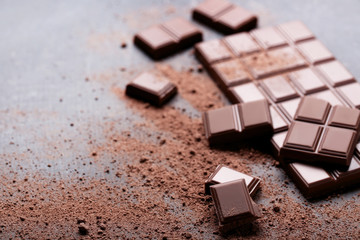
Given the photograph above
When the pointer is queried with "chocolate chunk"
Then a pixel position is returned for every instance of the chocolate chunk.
(223, 174)
(165, 39)
(151, 88)
(238, 122)
(224, 16)
(322, 134)
(233, 204)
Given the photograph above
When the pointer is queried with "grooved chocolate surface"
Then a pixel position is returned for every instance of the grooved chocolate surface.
(151, 88)
(165, 39)
(238, 122)
(224, 17)
(321, 77)
(316, 181)
(233, 204)
(224, 174)
(322, 134)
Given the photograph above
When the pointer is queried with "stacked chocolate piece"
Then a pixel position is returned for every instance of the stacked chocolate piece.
(286, 65)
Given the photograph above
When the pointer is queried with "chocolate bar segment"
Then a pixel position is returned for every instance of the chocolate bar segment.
(296, 31)
(273, 62)
(233, 204)
(278, 88)
(230, 73)
(165, 39)
(335, 73)
(350, 93)
(314, 51)
(242, 44)
(224, 174)
(322, 134)
(307, 81)
(238, 122)
(224, 16)
(269, 37)
(151, 88)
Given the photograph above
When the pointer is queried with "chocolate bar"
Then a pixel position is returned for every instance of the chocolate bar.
(224, 16)
(321, 133)
(151, 88)
(224, 174)
(165, 39)
(280, 52)
(315, 181)
(233, 204)
(238, 122)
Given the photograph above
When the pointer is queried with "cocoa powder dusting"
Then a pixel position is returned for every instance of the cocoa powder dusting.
(144, 177)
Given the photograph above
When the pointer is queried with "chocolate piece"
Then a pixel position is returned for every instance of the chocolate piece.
(224, 16)
(278, 89)
(314, 51)
(151, 88)
(233, 204)
(316, 181)
(335, 73)
(350, 93)
(296, 31)
(242, 44)
(312, 181)
(321, 133)
(269, 37)
(230, 73)
(165, 39)
(273, 62)
(307, 81)
(238, 122)
(245, 93)
(212, 51)
(224, 174)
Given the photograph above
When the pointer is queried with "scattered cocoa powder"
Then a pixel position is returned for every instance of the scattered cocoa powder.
(142, 177)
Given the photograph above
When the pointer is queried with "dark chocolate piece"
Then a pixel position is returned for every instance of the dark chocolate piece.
(224, 174)
(165, 39)
(224, 16)
(151, 88)
(238, 122)
(233, 204)
(321, 133)
(314, 181)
